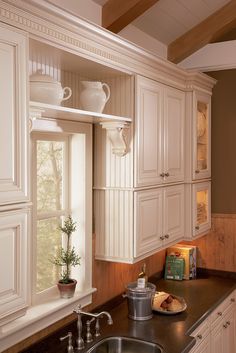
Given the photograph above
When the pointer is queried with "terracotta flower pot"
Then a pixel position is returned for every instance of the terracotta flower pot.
(67, 290)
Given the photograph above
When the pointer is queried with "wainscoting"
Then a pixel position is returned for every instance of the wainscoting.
(217, 249)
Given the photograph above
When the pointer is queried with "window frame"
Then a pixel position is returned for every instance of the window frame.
(80, 135)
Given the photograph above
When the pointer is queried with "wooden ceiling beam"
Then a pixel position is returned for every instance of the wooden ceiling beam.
(216, 25)
(117, 14)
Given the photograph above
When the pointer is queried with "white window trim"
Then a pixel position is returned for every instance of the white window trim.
(42, 315)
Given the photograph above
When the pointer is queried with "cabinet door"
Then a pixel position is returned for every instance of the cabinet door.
(14, 264)
(201, 207)
(148, 131)
(148, 221)
(173, 201)
(13, 116)
(174, 108)
(201, 136)
(229, 333)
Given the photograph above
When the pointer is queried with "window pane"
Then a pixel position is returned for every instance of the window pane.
(48, 241)
(49, 175)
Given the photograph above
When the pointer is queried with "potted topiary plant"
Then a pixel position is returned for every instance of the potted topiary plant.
(67, 258)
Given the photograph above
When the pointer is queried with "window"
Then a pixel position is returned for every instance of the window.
(62, 185)
(51, 175)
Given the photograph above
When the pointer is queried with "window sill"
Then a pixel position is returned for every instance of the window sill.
(41, 316)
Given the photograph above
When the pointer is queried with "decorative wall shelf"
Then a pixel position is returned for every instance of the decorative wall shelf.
(117, 126)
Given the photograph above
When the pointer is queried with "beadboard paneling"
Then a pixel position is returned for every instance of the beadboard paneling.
(114, 214)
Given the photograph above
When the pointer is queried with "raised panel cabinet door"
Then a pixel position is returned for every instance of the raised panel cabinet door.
(174, 110)
(173, 206)
(148, 132)
(201, 135)
(13, 116)
(148, 221)
(229, 333)
(14, 266)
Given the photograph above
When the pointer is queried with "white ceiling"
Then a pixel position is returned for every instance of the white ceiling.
(169, 19)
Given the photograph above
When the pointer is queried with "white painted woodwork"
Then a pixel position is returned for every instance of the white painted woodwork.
(212, 57)
(202, 337)
(217, 333)
(198, 229)
(148, 225)
(14, 264)
(13, 116)
(113, 211)
(159, 144)
(149, 132)
(174, 113)
(173, 214)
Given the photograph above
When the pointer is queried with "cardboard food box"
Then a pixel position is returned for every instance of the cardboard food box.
(189, 254)
(174, 268)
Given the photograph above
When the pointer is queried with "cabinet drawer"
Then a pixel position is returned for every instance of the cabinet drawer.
(201, 332)
(219, 313)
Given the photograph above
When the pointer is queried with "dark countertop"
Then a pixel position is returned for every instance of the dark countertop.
(171, 332)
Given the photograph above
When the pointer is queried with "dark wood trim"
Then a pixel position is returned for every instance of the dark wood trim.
(214, 26)
(117, 14)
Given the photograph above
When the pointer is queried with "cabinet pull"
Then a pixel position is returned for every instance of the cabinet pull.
(162, 175)
(167, 236)
(232, 300)
(197, 171)
(162, 237)
(219, 313)
(167, 174)
(228, 323)
(199, 336)
(225, 326)
(197, 227)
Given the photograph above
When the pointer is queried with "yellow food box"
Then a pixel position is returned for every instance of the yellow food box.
(189, 254)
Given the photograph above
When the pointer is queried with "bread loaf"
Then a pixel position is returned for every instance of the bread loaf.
(166, 302)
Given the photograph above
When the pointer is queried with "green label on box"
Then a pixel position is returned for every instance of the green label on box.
(174, 268)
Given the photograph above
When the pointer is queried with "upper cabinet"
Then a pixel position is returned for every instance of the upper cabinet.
(202, 136)
(13, 116)
(159, 133)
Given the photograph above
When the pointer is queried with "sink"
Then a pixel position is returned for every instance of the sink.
(124, 345)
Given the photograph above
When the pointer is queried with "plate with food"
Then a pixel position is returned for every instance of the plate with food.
(169, 304)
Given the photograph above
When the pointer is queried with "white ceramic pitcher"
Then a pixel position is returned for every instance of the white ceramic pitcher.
(93, 97)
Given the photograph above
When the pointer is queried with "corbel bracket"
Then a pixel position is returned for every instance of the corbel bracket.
(117, 133)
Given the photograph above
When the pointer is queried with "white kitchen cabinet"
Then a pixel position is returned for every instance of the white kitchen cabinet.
(14, 185)
(158, 218)
(217, 333)
(14, 266)
(159, 143)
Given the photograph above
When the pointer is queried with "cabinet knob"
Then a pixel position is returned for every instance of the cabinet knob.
(199, 336)
(197, 227)
(167, 174)
(197, 171)
(162, 237)
(219, 313)
(225, 325)
(162, 175)
(167, 236)
(232, 300)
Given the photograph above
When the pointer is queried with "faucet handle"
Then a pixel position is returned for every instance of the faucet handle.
(77, 310)
(97, 328)
(89, 337)
(70, 348)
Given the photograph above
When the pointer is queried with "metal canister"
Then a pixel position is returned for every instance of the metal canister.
(140, 301)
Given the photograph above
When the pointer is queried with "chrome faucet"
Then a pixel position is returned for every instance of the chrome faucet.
(97, 316)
